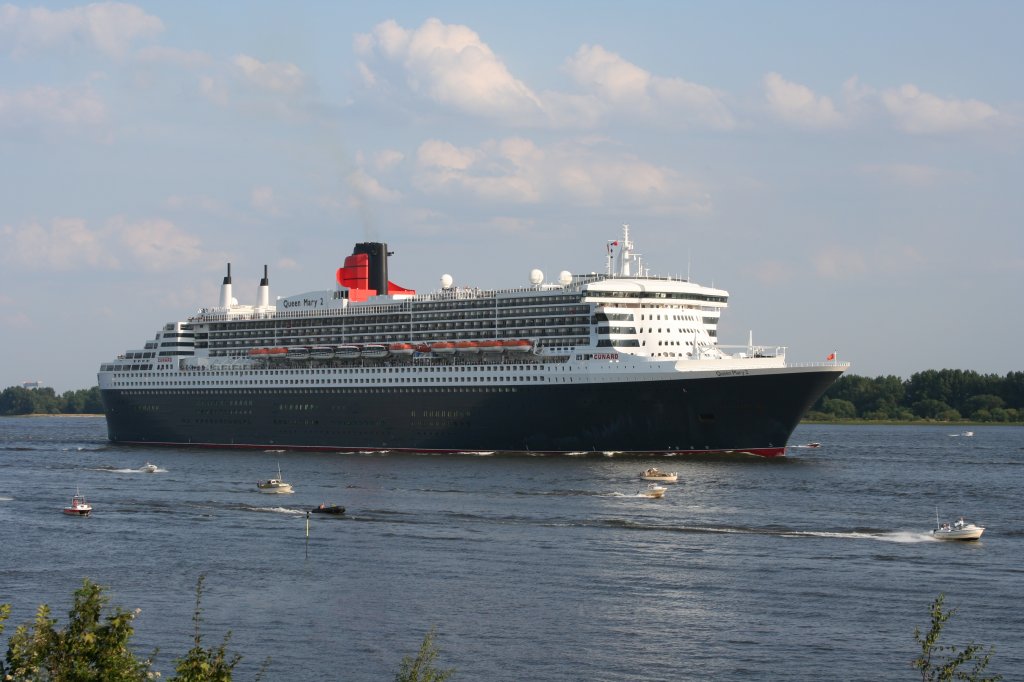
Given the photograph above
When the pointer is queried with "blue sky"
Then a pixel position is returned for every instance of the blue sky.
(849, 172)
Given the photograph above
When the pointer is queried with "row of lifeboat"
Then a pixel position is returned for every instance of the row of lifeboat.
(374, 350)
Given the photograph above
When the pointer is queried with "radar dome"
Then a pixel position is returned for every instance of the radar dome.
(565, 278)
(446, 281)
(536, 277)
(234, 301)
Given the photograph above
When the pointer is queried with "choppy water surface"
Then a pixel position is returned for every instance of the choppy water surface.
(547, 568)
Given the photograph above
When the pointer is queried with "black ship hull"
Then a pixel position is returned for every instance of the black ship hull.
(751, 413)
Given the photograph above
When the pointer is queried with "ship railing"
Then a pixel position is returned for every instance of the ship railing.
(740, 352)
(827, 363)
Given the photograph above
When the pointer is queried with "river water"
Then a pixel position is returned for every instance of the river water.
(814, 566)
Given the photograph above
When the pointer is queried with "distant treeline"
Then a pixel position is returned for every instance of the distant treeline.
(18, 400)
(941, 395)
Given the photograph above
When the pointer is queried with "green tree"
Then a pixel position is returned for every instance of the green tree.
(44, 401)
(72, 402)
(930, 408)
(16, 400)
(205, 665)
(984, 401)
(421, 667)
(93, 401)
(87, 650)
(840, 409)
(939, 663)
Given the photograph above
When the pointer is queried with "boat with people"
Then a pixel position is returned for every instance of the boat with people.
(275, 485)
(328, 509)
(655, 474)
(620, 361)
(78, 506)
(958, 530)
(149, 468)
(653, 491)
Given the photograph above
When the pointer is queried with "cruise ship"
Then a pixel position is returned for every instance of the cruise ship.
(615, 362)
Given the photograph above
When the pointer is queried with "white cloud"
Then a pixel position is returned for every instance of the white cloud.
(797, 104)
(621, 86)
(839, 262)
(387, 159)
(451, 65)
(517, 171)
(157, 244)
(918, 112)
(262, 198)
(366, 187)
(40, 104)
(109, 27)
(69, 244)
(273, 76)
(169, 55)
(213, 90)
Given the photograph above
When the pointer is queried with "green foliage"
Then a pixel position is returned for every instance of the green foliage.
(200, 664)
(939, 663)
(88, 649)
(18, 400)
(941, 395)
(91, 649)
(421, 667)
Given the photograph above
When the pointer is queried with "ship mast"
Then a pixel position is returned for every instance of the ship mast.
(621, 256)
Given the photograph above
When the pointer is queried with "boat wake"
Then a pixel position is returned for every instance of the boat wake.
(903, 537)
(111, 470)
(278, 510)
(6, 499)
(640, 494)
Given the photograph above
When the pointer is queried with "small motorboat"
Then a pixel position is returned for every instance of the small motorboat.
(654, 491)
(813, 444)
(148, 468)
(328, 509)
(275, 485)
(78, 506)
(655, 474)
(958, 530)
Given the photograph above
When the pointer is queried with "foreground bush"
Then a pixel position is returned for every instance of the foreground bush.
(91, 649)
(94, 649)
(939, 663)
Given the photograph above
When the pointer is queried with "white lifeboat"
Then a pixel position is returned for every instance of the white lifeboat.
(322, 352)
(346, 352)
(375, 350)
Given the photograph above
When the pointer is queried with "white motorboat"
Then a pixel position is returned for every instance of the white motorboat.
(275, 485)
(149, 468)
(653, 491)
(655, 474)
(958, 530)
(78, 506)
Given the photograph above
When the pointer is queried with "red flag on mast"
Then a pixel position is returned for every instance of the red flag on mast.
(831, 356)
